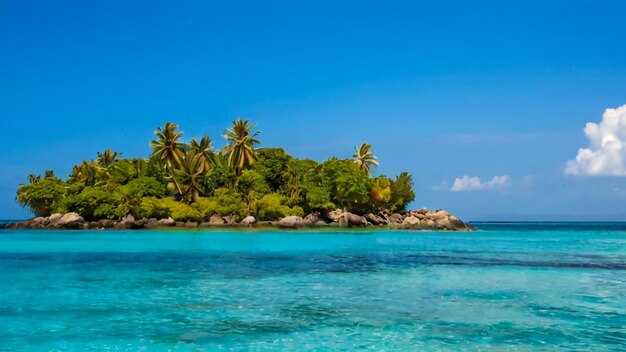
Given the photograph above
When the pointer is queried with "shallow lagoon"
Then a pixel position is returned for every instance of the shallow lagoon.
(505, 287)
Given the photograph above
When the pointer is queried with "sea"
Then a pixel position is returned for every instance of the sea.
(506, 287)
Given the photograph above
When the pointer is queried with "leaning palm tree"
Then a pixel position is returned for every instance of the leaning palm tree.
(364, 158)
(205, 150)
(187, 177)
(167, 147)
(240, 150)
(107, 158)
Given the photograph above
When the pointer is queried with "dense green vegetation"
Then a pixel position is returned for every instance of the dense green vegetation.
(192, 181)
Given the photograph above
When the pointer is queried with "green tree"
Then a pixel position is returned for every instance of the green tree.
(294, 175)
(85, 173)
(401, 192)
(380, 192)
(92, 203)
(188, 177)
(218, 177)
(107, 158)
(251, 185)
(145, 187)
(167, 147)
(240, 150)
(364, 158)
(203, 148)
(272, 163)
(40, 196)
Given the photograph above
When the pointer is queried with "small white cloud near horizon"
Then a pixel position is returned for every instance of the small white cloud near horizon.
(468, 184)
(606, 154)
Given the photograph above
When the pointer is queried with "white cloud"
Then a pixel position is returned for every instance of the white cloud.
(606, 153)
(466, 184)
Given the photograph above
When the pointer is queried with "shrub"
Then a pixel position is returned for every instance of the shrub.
(229, 203)
(152, 207)
(206, 207)
(272, 207)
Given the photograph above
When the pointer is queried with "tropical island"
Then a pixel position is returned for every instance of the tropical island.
(193, 185)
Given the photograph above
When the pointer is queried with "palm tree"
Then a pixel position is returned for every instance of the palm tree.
(32, 178)
(189, 172)
(241, 152)
(167, 147)
(364, 158)
(87, 173)
(107, 158)
(205, 150)
(48, 174)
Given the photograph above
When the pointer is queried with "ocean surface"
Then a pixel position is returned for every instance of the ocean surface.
(506, 287)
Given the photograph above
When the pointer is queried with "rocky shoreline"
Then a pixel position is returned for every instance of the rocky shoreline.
(422, 219)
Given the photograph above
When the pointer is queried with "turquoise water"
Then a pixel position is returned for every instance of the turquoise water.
(507, 287)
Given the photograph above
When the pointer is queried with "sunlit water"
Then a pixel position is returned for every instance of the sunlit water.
(521, 287)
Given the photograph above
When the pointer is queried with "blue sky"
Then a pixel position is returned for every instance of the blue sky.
(499, 91)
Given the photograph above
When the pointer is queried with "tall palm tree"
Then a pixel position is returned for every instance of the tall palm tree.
(167, 147)
(189, 173)
(364, 158)
(32, 178)
(205, 150)
(107, 158)
(240, 150)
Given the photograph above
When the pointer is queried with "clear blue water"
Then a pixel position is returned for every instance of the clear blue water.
(518, 287)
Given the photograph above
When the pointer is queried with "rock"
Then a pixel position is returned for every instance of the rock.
(127, 222)
(204, 224)
(166, 222)
(427, 225)
(321, 223)
(248, 220)
(395, 218)
(54, 218)
(180, 224)
(151, 223)
(411, 222)
(351, 220)
(443, 224)
(140, 224)
(216, 220)
(40, 220)
(375, 219)
(106, 224)
(438, 215)
(191, 225)
(313, 218)
(22, 225)
(290, 222)
(335, 215)
(230, 219)
(70, 221)
(457, 224)
(92, 225)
